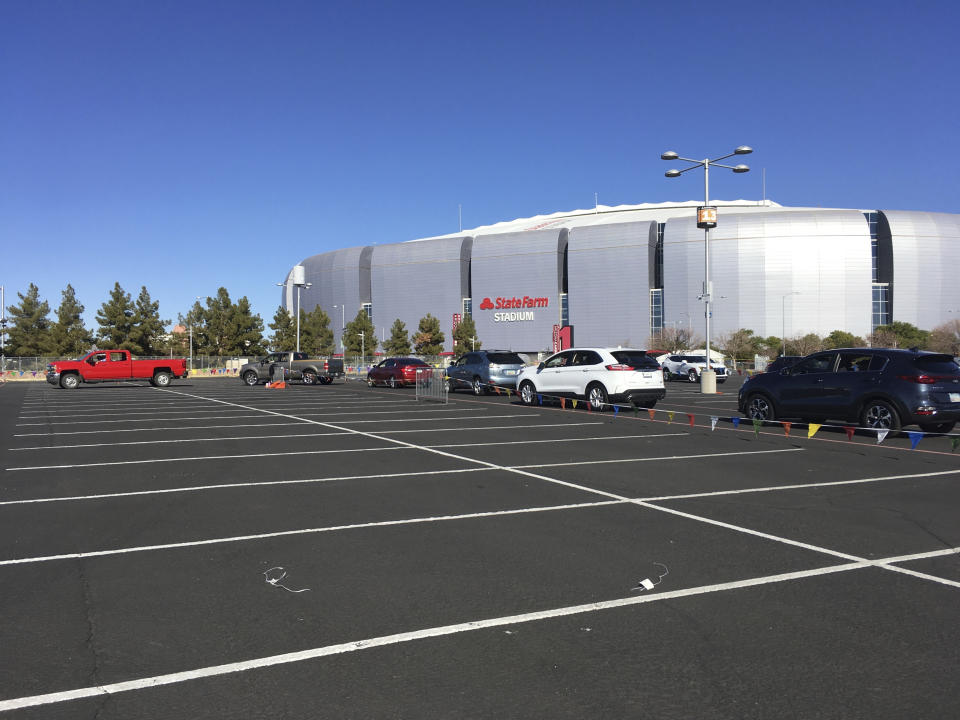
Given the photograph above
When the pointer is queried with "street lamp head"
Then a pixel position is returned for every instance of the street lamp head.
(743, 150)
(672, 173)
(669, 155)
(741, 168)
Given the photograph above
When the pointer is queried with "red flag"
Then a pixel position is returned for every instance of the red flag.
(850, 431)
(589, 406)
(690, 417)
(786, 428)
(563, 403)
(651, 413)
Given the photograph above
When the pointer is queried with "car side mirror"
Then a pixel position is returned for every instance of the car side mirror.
(539, 367)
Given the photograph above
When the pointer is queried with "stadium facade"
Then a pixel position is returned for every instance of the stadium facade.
(620, 275)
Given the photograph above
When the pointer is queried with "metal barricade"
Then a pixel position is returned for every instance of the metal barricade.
(431, 385)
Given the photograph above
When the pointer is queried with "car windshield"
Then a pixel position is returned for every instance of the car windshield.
(504, 359)
(697, 358)
(937, 365)
(635, 358)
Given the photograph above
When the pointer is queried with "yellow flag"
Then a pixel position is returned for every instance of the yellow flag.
(812, 429)
(670, 416)
(574, 403)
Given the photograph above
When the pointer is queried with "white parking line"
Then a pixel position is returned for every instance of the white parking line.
(434, 632)
(166, 429)
(665, 457)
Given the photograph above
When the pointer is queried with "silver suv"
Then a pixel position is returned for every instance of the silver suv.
(481, 370)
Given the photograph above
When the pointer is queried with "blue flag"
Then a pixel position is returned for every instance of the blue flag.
(915, 438)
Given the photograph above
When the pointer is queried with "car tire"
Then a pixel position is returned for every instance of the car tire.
(597, 396)
(324, 380)
(528, 393)
(880, 415)
(692, 376)
(70, 381)
(392, 383)
(666, 375)
(760, 407)
(308, 377)
(942, 427)
(250, 378)
(161, 380)
(478, 387)
(370, 382)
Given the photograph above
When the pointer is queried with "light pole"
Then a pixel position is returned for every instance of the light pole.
(298, 286)
(343, 326)
(191, 339)
(706, 219)
(783, 320)
(3, 331)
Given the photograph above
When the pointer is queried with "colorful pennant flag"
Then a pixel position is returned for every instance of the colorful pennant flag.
(756, 426)
(574, 403)
(812, 429)
(539, 398)
(713, 422)
(651, 413)
(616, 410)
(954, 443)
(670, 416)
(563, 403)
(735, 421)
(786, 428)
(589, 406)
(690, 419)
(915, 438)
(636, 412)
(881, 436)
(849, 431)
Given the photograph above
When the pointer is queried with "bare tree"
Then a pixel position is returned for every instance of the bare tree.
(740, 345)
(946, 338)
(806, 344)
(883, 337)
(678, 339)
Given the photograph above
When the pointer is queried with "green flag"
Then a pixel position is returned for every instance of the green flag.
(756, 426)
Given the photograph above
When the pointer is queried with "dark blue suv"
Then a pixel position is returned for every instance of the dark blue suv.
(875, 387)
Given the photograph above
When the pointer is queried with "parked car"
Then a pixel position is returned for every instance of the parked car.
(481, 370)
(782, 362)
(876, 387)
(689, 367)
(599, 375)
(395, 372)
(295, 365)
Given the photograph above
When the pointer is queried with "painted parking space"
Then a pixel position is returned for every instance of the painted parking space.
(475, 543)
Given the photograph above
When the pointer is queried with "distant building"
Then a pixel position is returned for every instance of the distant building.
(620, 275)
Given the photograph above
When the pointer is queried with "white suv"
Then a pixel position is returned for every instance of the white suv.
(599, 375)
(689, 367)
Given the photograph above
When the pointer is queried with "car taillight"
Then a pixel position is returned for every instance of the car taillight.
(619, 367)
(919, 379)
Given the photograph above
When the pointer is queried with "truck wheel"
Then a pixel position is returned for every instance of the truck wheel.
(250, 378)
(324, 380)
(161, 379)
(70, 382)
(308, 377)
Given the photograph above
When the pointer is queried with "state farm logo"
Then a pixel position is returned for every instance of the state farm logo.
(515, 302)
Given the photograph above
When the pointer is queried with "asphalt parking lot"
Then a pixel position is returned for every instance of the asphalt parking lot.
(218, 551)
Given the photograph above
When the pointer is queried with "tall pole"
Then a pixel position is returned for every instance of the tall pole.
(708, 378)
(298, 318)
(3, 330)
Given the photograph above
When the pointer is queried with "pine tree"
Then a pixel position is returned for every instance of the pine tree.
(465, 336)
(316, 337)
(399, 341)
(353, 341)
(216, 335)
(147, 332)
(284, 331)
(115, 317)
(246, 330)
(429, 338)
(28, 331)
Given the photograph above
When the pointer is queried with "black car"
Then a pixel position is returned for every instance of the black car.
(878, 388)
(784, 361)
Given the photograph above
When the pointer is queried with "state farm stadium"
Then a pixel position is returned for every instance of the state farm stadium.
(620, 275)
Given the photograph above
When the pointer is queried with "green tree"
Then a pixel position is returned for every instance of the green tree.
(115, 318)
(806, 344)
(429, 338)
(147, 331)
(842, 339)
(28, 331)
(740, 345)
(353, 341)
(213, 337)
(465, 336)
(899, 334)
(245, 330)
(68, 335)
(316, 337)
(399, 341)
(284, 331)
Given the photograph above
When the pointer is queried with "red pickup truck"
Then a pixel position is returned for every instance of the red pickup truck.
(112, 366)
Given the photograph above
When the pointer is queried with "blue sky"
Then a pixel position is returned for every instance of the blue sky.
(191, 145)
